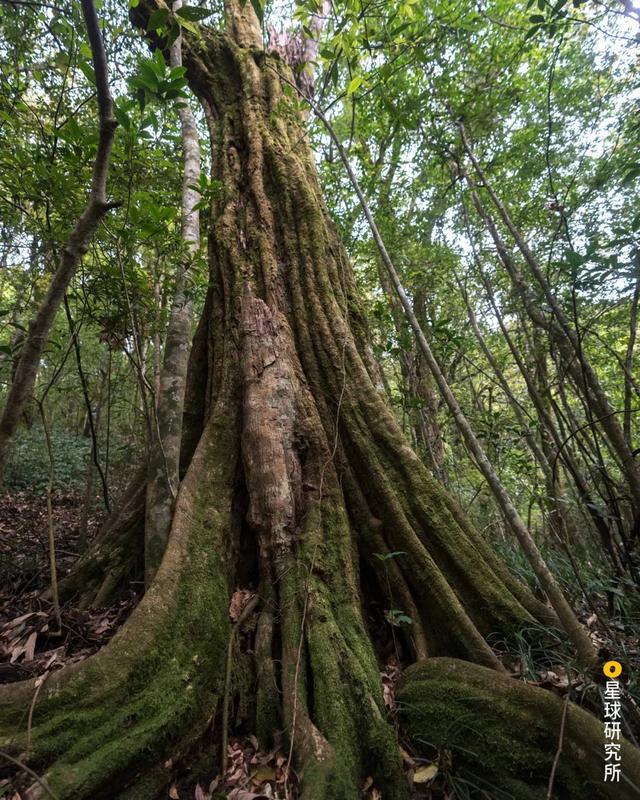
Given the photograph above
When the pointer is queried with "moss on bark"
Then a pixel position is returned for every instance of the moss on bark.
(100, 723)
(503, 735)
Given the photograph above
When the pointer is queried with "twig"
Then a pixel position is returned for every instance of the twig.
(559, 750)
(39, 684)
(73, 329)
(55, 597)
(33, 774)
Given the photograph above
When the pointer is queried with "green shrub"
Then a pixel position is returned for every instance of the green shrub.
(28, 466)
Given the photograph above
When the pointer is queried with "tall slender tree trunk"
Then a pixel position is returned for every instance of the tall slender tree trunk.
(562, 452)
(418, 385)
(537, 451)
(629, 355)
(166, 428)
(574, 630)
(93, 415)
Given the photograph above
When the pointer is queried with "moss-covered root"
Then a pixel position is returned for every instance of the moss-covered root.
(99, 726)
(332, 700)
(502, 735)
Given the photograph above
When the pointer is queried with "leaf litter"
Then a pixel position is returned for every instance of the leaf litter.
(30, 643)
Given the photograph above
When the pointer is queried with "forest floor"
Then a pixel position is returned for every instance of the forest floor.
(30, 642)
(31, 646)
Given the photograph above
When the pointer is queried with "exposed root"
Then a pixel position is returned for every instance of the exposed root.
(332, 704)
(491, 730)
(100, 723)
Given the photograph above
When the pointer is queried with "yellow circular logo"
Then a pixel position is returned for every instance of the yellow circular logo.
(612, 669)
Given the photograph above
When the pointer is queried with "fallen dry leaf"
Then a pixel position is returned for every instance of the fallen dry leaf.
(425, 774)
(239, 600)
(30, 647)
(264, 773)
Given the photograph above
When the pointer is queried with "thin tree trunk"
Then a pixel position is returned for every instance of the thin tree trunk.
(53, 564)
(91, 465)
(416, 378)
(568, 341)
(166, 434)
(535, 448)
(561, 451)
(91, 421)
(73, 250)
(628, 359)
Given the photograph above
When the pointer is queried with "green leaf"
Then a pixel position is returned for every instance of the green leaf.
(188, 26)
(397, 617)
(159, 64)
(122, 117)
(157, 19)
(631, 175)
(62, 60)
(193, 13)
(574, 259)
(386, 556)
(354, 84)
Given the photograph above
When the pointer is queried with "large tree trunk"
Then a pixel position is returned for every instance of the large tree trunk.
(302, 470)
